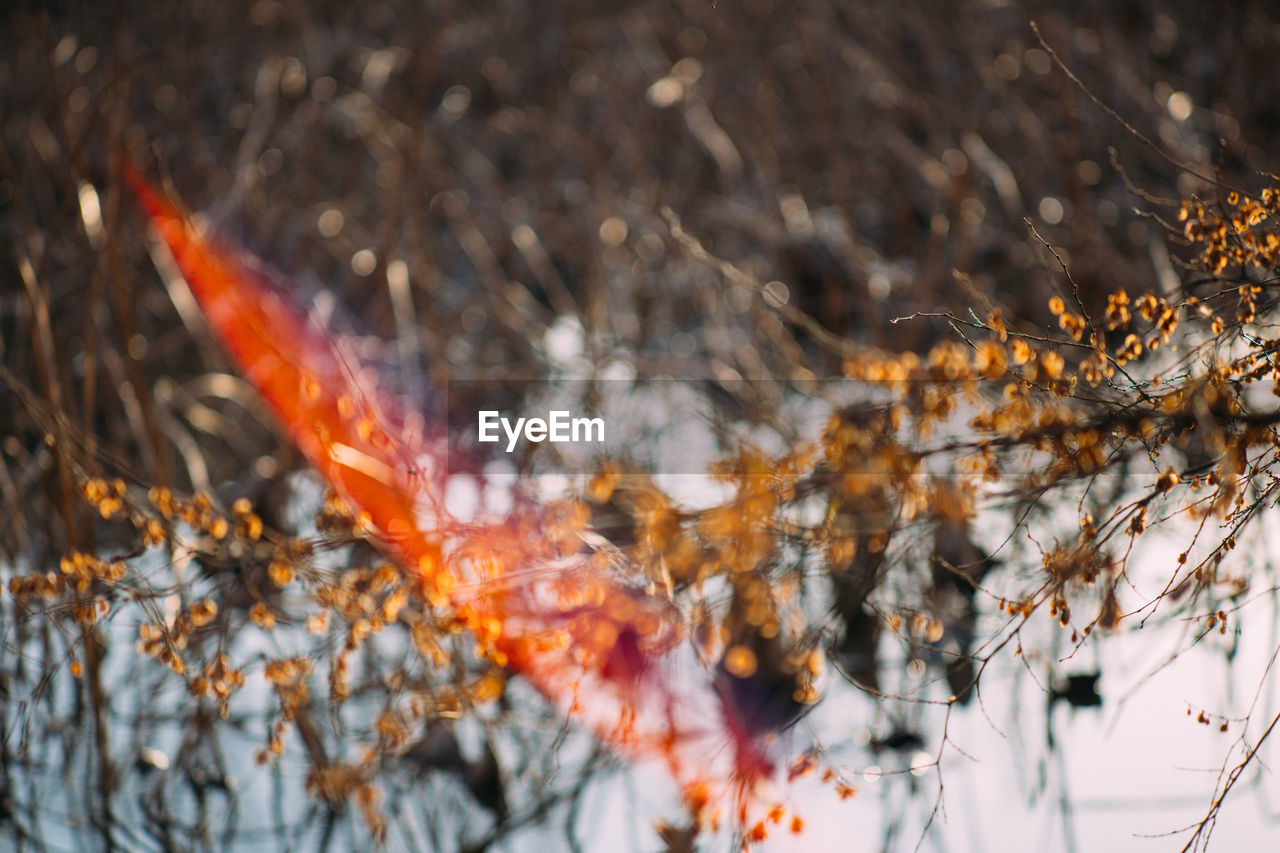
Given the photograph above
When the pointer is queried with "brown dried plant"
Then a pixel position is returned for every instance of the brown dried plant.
(1047, 396)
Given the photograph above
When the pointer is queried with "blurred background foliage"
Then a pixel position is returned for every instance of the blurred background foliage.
(466, 179)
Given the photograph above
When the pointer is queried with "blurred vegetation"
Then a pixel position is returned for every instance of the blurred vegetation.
(758, 195)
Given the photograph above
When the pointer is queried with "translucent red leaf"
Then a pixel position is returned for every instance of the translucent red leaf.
(616, 661)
